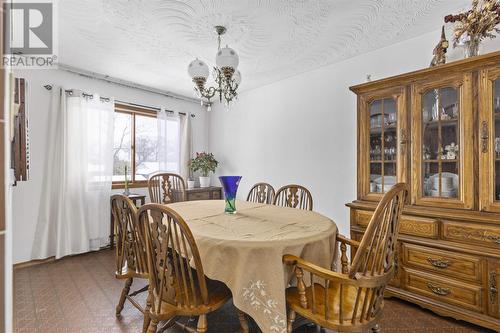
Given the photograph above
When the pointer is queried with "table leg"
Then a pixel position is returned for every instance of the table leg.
(111, 232)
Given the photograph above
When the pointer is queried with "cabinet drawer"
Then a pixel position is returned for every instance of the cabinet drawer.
(216, 195)
(487, 235)
(455, 265)
(362, 217)
(198, 196)
(443, 289)
(409, 225)
(419, 226)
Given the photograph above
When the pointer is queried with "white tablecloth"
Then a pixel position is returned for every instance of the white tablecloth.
(245, 251)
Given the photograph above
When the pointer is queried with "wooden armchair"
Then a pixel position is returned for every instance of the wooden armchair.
(166, 188)
(176, 287)
(294, 196)
(352, 300)
(131, 260)
(261, 193)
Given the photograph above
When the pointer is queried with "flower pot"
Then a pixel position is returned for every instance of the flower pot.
(472, 47)
(204, 181)
(191, 184)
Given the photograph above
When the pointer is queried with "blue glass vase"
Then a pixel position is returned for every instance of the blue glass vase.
(230, 186)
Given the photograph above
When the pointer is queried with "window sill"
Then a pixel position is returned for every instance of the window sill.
(119, 185)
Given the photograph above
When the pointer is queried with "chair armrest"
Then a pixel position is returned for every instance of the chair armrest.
(345, 240)
(324, 273)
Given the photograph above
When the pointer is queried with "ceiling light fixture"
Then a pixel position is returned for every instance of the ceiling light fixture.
(226, 75)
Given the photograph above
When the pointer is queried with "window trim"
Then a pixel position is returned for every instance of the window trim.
(133, 111)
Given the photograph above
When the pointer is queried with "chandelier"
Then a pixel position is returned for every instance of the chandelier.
(226, 75)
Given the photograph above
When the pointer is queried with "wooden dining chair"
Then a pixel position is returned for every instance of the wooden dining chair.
(261, 193)
(294, 196)
(166, 188)
(131, 259)
(177, 288)
(353, 300)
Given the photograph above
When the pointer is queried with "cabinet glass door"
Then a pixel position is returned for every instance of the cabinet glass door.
(441, 136)
(490, 141)
(442, 143)
(383, 145)
(382, 160)
(496, 108)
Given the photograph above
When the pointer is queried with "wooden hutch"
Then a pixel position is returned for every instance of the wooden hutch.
(437, 129)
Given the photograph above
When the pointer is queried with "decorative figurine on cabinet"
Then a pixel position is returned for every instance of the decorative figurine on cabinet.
(440, 50)
(451, 151)
(427, 153)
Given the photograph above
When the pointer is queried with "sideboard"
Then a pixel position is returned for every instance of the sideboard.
(437, 129)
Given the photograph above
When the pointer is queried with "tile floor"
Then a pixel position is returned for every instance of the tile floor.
(79, 294)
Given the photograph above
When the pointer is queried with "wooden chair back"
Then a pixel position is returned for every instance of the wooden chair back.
(170, 249)
(261, 193)
(130, 244)
(375, 255)
(294, 196)
(353, 302)
(166, 188)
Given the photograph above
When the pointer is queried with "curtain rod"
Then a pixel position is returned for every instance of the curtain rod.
(124, 83)
(107, 99)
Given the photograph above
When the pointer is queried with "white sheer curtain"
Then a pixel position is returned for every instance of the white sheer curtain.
(168, 141)
(186, 145)
(74, 207)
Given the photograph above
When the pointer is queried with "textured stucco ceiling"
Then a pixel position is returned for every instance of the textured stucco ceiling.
(151, 42)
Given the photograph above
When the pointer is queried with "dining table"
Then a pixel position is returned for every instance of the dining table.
(244, 250)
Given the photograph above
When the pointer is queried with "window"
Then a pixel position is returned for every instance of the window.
(136, 145)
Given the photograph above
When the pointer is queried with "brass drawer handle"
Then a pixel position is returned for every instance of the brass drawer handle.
(403, 141)
(438, 290)
(484, 137)
(439, 263)
(494, 239)
(493, 287)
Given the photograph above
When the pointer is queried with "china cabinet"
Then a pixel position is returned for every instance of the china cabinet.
(437, 129)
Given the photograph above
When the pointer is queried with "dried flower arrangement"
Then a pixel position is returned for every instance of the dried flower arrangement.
(475, 25)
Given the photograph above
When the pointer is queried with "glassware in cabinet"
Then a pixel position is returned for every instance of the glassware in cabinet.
(383, 121)
(443, 143)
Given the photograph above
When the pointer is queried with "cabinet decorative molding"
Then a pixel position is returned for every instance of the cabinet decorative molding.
(437, 129)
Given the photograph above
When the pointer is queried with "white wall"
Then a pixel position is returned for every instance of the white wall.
(303, 129)
(26, 195)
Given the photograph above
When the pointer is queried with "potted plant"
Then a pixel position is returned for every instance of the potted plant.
(205, 163)
(190, 179)
(190, 182)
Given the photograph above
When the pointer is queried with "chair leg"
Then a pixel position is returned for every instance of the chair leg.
(123, 296)
(243, 322)
(376, 329)
(202, 324)
(147, 318)
(153, 326)
(291, 319)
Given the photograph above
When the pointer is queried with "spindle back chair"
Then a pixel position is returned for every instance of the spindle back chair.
(352, 300)
(131, 259)
(294, 196)
(166, 188)
(178, 284)
(261, 193)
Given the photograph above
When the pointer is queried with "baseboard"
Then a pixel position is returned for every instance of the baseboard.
(31, 263)
(36, 262)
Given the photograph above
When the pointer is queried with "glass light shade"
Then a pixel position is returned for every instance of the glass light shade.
(237, 77)
(198, 68)
(227, 57)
